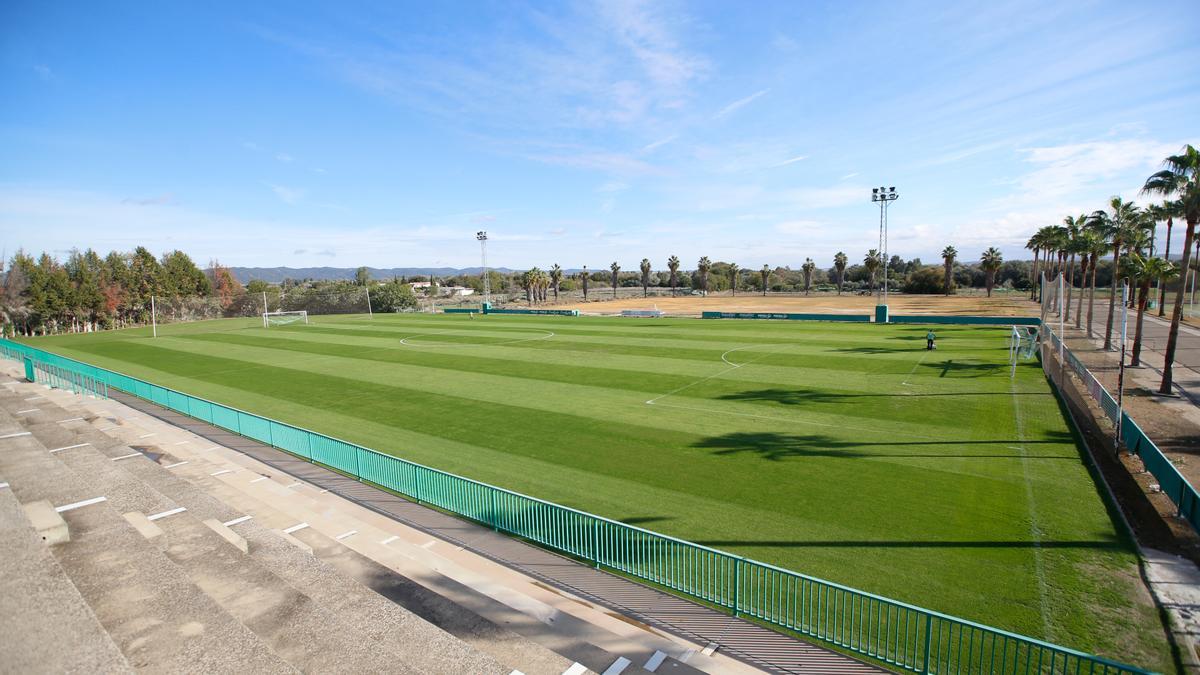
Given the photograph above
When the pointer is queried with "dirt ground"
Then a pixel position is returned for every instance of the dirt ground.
(1001, 304)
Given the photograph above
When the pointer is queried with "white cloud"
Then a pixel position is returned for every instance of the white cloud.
(797, 227)
(161, 200)
(793, 160)
(828, 197)
(286, 194)
(613, 186)
(738, 104)
(1067, 169)
(849, 176)
(283, 157)
(659, 143)
(44, 72)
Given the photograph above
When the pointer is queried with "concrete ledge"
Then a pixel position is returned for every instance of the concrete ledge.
(294, 541)
(47, 522)
(227, 534)
(153, 533)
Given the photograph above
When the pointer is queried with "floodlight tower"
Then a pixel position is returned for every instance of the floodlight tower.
(487, 282)
(885, 196)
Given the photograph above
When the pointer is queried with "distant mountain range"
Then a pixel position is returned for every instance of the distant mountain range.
(275, 275)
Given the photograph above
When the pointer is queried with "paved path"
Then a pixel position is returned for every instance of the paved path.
(746, 641)
(1186, 373)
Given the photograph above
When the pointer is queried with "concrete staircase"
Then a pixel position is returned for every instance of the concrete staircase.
(180, 559)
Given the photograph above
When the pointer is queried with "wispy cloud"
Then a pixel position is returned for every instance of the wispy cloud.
(849, 176)
(286, 194)
(44, 72)
(739, 104)
(793, 160)
(283, 157)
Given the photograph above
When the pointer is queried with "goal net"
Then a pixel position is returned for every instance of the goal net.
(284, 318)
(1022, 344)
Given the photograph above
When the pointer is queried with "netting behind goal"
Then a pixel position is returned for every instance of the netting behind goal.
(304, 302)
(284, 318)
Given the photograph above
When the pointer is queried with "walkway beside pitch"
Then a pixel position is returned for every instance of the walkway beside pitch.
(734, 637)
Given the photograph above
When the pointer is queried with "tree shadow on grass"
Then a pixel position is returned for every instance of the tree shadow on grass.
(1111, 545)
(949, 368)
(777, 447)
(803, 396)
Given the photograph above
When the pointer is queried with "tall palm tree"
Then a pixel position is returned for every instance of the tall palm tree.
(871, 262)
(1035, 244)
(839, 264)
(1073, 227)
(765, 273)
(1096, 244)
(673, 265)
(1146, 271)
(808, 268)
(1057, 237)
(703, 266)
(1169, 210)
(645, 277)
(991, 261)
(734, 271)
(584, 282)
(1117, 227)
(1181, 179)
(948, 255)
(556, 275)
(616, 270)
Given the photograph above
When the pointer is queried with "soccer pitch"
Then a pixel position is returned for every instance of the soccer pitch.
(842, 451)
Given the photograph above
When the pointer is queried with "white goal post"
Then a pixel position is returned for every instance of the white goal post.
(283, 318)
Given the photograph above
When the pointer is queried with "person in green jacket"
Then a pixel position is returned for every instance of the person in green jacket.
(929, 338)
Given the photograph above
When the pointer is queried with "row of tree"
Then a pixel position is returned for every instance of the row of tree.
(1127, 231)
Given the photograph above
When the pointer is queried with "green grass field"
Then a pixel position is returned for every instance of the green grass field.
(843, 451)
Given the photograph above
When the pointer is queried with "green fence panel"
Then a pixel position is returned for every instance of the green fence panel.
(783, 316)
(907, 637)
(969, 320)
(538, 312)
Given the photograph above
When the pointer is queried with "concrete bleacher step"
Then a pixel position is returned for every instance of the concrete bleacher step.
(38, 599)
(300, 630)
(150, 610)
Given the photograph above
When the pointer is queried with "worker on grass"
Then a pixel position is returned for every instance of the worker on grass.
(929, 340)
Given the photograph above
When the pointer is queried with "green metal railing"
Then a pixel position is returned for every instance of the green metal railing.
(1170, 480)
(904, 636)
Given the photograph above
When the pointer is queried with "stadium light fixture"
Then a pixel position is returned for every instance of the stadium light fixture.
(487, 282)
(884, 196)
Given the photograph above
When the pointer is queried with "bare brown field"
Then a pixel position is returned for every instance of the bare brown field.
(1009, 304)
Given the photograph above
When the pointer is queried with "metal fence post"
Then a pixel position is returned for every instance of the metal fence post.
(596, 542)
(928, 642)
(495, 514)
(737, 585)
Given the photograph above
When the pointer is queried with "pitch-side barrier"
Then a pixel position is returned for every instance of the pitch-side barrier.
(901, 635)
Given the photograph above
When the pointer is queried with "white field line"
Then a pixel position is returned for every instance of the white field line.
(914, 368)
(260, 478)
(147, 435)
(132, 454)
(35, 398)
(3, 485)
(655, 661)
(344, 535)
(30, 410)
(732, 366)
(172, 466)
(390, 539)
(295, 528)
(618, 666)
(17, 434)
(70, 419)
(1039, 562)
(222, 472)
(235, 521)
(69, 447)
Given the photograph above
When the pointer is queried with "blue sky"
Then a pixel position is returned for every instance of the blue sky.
(340, 134)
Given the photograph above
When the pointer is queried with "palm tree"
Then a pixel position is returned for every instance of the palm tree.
(948, 255)
(556, 275)
(527, 285)
(673, 265)
(584, 282)
(765, 273)
(543, 283)
(1096, 244)
(1056, 243)
(991, 262)
(871, 262)
(1169, 210)
(1181, 178)
(703, 267)
(645, 277)
(1146, 271)
(1117, 226)
(839, 264)
(808, 268)
(1073, 227)
(616, 269)
(1035, 244)
(734, 270)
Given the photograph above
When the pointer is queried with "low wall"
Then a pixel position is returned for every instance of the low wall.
(786, 317)
(540, 312)
(970, 320)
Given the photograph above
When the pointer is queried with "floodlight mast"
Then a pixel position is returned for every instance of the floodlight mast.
(487, 282)
(884, 196)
